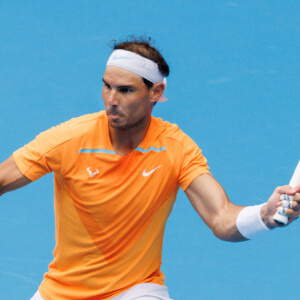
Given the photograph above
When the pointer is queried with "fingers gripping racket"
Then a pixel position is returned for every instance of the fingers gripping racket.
(287, 200)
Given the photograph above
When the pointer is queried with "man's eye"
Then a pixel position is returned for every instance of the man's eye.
(125, 90)
(106, 85)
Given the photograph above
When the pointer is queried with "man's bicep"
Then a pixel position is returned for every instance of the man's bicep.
(208, 198)
(10, 176)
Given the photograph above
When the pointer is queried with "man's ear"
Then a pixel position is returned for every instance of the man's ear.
(156, 91)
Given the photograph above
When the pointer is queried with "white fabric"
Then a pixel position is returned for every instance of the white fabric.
(143, 291)
(249, 222)
(37, 296)
(139, 65)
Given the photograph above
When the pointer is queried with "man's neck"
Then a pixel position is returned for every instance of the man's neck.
(125, 140)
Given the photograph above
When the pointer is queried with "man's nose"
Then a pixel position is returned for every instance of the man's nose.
(113, 98)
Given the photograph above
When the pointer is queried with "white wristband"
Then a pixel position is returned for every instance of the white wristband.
(249, 222)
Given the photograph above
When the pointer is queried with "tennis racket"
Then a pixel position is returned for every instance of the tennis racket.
(287, 200)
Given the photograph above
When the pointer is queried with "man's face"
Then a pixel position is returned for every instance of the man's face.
(126, 98)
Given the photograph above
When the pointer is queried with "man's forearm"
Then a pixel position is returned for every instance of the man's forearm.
(14, 185)
(224, 225)
(10, 176)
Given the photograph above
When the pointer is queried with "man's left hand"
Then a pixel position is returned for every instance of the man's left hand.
(274, 202)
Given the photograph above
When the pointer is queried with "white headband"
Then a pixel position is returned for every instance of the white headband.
(139, 65)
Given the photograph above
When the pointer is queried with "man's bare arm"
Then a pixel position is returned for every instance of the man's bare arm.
(10, 176)
(214, 207)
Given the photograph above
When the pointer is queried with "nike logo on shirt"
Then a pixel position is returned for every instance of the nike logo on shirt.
(145, 173)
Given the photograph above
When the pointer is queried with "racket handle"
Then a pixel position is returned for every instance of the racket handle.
(280, 216)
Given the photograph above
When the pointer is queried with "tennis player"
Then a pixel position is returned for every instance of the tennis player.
(117, 173)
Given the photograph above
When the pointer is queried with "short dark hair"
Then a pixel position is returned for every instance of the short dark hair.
(142, 46)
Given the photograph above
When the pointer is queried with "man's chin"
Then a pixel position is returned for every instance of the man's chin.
(116, 124)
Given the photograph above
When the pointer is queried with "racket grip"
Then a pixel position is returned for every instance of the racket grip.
(280, 216)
